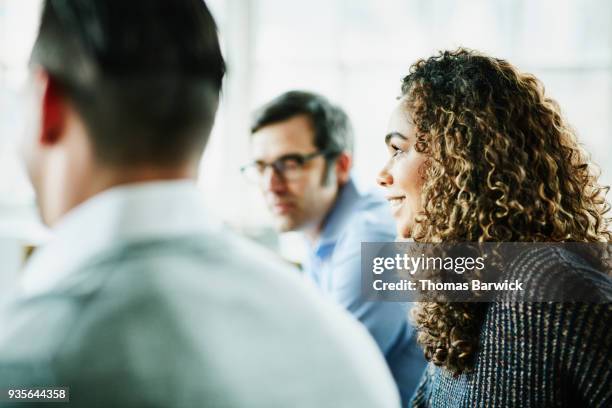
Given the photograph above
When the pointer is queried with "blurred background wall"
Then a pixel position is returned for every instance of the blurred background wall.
(353, 51)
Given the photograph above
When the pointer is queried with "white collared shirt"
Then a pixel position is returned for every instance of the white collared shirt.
(227, 323)
(126, 213)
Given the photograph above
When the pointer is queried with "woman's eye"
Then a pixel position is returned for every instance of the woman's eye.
(396, 151)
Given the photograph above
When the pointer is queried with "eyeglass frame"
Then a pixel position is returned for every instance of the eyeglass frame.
(302, 159)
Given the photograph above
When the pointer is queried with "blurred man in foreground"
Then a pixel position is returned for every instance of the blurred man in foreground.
(140, 299)
(301, 148)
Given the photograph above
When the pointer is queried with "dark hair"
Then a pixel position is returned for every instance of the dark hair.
(144, 75)
(332, 128)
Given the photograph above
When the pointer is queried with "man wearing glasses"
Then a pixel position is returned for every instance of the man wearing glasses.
(301, 147)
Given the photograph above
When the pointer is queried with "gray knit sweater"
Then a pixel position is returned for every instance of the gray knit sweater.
(536, 354)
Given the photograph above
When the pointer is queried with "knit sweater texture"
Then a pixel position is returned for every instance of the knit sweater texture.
(536, 354)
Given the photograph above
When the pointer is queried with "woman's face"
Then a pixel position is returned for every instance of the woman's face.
(402, 175)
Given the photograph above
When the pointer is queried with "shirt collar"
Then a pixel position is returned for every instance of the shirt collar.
(121, 214)
(348, 197)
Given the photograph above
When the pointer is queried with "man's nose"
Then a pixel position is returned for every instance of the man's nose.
(273, 181)
(384, 178)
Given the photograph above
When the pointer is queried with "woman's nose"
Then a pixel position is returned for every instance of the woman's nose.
(384, 178)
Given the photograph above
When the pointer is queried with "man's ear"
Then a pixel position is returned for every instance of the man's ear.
(53, 110)
(344, 163)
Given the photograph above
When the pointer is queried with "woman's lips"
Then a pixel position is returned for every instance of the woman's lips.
(396, 203)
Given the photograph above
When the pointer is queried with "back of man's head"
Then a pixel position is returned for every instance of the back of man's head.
(143, 75)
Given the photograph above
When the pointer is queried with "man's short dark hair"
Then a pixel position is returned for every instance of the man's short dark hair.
(332, 128)
(144, 75)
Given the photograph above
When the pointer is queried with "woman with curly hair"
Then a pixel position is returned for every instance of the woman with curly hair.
(480, 154)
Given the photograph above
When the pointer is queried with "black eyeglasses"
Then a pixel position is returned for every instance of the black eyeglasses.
(289, 167)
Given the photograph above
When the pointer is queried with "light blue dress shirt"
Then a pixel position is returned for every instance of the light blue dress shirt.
(334, 265)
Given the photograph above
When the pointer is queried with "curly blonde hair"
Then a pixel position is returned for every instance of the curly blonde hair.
(503, 166)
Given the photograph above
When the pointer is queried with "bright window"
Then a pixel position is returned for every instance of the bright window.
(355, 52)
